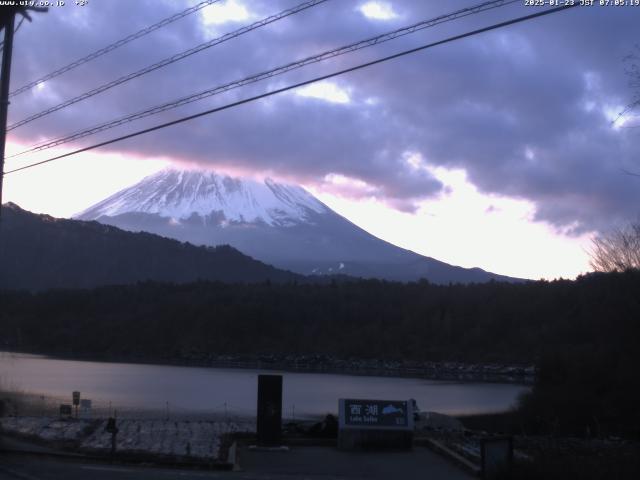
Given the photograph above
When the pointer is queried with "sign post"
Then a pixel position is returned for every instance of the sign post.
(85, 408)
(113, 430)
(76, 401)
(375, 424)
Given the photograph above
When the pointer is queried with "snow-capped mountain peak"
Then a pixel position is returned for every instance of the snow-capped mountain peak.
(179, 194)
(279, 224)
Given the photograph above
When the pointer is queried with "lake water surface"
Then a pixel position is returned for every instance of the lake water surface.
(200, 391)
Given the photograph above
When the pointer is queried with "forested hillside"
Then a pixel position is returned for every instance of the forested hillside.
(482, 322)
(583, 335)
(38, 252)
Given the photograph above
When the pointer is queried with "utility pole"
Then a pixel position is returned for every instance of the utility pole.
(7, 19)
(7, 24)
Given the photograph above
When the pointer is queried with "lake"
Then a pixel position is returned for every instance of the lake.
(201, 391)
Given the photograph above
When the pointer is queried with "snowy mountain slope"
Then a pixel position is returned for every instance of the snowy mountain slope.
(275, 223)
(181, 194)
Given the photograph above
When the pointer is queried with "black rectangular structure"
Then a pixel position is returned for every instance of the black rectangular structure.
(269, 410)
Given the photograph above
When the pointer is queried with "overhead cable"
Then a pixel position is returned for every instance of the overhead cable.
(298, 85)
(385, 37)
(113, 46)
(169, 61)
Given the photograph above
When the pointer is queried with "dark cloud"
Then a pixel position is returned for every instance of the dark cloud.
(525, 110)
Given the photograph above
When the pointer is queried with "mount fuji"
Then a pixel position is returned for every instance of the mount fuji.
(280, 224)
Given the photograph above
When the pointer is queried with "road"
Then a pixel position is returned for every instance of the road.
(312, 463)
(25, 467)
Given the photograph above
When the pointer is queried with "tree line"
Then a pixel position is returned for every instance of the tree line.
(583, 335)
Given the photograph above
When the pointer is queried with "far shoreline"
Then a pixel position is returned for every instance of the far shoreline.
(464, 372)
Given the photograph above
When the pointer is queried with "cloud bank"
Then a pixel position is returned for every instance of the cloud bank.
(526, 111)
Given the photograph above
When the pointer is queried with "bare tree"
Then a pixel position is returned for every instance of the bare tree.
(617, 250)
(632, 70)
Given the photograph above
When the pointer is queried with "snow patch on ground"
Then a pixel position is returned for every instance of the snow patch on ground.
(183, 438)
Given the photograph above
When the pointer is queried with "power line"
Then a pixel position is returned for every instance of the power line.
(385, 37)
(113, 46)
(170, 60)
(300, 84)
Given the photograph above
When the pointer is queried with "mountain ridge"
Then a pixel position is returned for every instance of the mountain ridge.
(283, 225)
(39, 252)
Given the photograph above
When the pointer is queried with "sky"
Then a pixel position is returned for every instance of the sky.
(503, 150)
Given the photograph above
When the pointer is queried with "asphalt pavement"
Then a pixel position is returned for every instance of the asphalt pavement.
(331, 463)
(312, 463)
